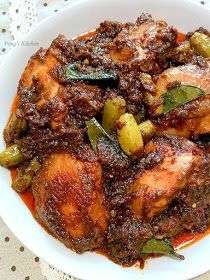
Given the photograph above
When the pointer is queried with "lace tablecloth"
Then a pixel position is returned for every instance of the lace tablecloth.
(17, 17)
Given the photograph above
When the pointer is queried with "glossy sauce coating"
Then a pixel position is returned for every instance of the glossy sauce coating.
(28, 198)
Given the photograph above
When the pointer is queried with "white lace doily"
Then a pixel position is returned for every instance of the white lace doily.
(17, 17)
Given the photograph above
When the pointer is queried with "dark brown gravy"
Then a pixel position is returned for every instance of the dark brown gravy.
(183, 239)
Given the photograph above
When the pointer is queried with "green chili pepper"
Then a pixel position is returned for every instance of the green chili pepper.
(129, 135)
(15, 127)
(147, 129)
(12, 156)
(24, 179)
(113, 109)
(201, 43)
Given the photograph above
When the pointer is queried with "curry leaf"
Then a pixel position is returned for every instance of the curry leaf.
(74, 75)
(154, 246)
(180, 95)
(95, 132)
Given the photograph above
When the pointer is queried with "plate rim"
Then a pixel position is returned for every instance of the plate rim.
(74, 3)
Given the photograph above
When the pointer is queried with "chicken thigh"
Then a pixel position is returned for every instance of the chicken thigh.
(178, 160)
(69, 201)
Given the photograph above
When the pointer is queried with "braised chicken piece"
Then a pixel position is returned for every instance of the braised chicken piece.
(147, 44)
(167, 195)
(38, 91)
(53, 101)
(191, 119)
(110, 131)
(69, 201)
(177, 162)
(183, 53)
(38, 75)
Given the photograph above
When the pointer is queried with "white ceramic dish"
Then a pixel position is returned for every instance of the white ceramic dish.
(79, 17)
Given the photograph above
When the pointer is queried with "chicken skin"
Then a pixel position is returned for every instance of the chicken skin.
(178, 160)
(69, 201)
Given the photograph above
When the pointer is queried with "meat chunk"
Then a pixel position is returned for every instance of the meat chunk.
(147, 44)
(46, 99)
(39, 71)
(39, 89)
(188, 75)
(191, 119)
(168, 193)
(69, 201)
(85, 100)
(153, 190)
(183, 53)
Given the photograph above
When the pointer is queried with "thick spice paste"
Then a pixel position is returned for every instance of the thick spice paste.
(111, 159)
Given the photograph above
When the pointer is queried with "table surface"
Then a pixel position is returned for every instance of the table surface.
(16, 261)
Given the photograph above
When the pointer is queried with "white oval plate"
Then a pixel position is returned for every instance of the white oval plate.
(79, 17)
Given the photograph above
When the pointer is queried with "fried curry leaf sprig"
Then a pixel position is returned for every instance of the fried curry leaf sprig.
(95, 132)
(73, 74)
(177, 96)
(154, 246)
